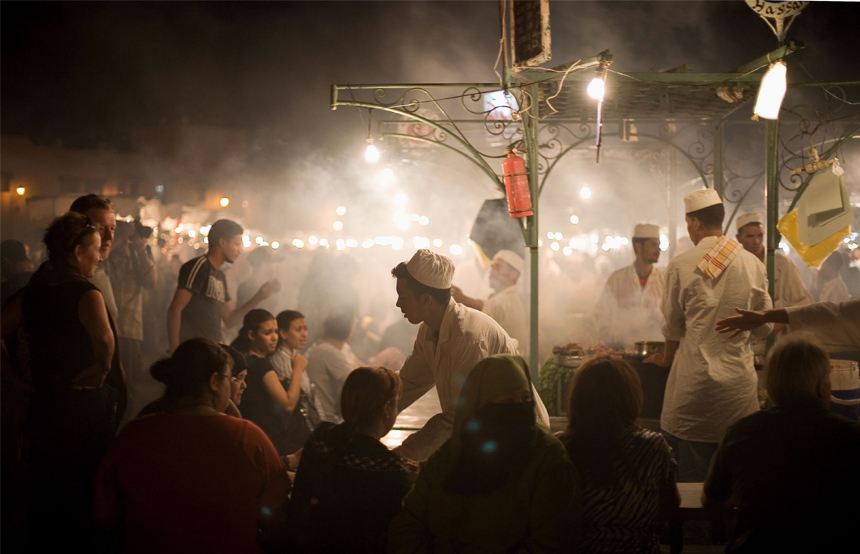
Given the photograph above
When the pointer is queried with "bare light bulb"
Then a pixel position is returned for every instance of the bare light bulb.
(596, 88)
(771, 92)
(371, 153)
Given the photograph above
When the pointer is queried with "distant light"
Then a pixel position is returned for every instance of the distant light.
(593, 239)
(312, 239)
(387, 176)
(298, 243)
(771, 92)
(244, 203)
(574, 219)
(367, 243)
(423, 220)
(371, 153)
(625, 241)
(664, 242)
(340, 210)
(246, 240)
(437, 243)
(225, 202)
(554, 246)
(351, 243)
(276, 245)
(206, 241)
(341, 245)
(400, 199)
(550, 235)
(557, 236)
(337, 225)
(205, 231)
(455, 249)
(179, 240)
(540, 242)
(324, 242)
(259, 240)
(192, 233)
(20, 191)
(397, 243)
(197, 246)
(567, 250)
(420, 242)
(414, 217)
(596, 88)
(585, 192)
(159, 189)
(605, 247)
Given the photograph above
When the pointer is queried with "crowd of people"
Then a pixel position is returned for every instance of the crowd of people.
(272, 444)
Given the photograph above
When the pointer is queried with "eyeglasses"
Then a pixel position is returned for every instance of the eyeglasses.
(89, 229)
(232, 379)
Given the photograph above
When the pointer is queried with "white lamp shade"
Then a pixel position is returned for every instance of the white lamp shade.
(771, 92)
(371, 154)
(596, 88)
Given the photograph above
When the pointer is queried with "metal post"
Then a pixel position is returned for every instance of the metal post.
(718, 159)
(673, 202)
(530, 134)
(772, 199)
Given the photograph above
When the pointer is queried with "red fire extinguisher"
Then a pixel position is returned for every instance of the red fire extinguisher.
(517, 186)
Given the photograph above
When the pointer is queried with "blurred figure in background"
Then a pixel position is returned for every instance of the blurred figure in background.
(628, 473)
(829, 287)
(16, 268)
(330, 361)
(262, 271)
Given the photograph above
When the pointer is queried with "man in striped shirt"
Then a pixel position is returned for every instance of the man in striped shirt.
(201, 301)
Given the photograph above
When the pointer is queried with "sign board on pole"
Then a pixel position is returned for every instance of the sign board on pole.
(530, 33)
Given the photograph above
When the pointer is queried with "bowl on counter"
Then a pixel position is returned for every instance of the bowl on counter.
(563, 360)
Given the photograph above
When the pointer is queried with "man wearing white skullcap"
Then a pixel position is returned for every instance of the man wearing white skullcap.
(712, 382)
(788, 287)
(629, 307)
(504, 305)
(452, 338)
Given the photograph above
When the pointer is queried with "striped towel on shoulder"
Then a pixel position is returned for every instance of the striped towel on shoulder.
(719, 257)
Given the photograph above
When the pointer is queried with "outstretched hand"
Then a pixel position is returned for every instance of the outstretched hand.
(746, 321)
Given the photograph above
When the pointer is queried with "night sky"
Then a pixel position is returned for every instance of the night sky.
(88, 72)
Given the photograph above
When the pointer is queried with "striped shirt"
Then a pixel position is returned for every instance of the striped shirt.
(201, 317)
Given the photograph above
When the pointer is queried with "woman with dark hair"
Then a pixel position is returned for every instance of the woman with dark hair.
(291, 367)
(190, 479)
(265, 402)
(349, 485)
(73, 414)
(628, 473)
(501, 483)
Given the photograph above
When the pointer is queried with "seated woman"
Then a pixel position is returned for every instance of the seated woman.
(501, 483)
(265, 402)
(349, 485)
(628, 473)
(190, 479)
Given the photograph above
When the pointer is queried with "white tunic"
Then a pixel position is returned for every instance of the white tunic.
(328, 369)
(505, 307)
(626, 312)
(466, 337)
(837, 326)
(834, 290)
(788, 287)
(712, 382)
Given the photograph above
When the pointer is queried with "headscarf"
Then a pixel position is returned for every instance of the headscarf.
(490, 440)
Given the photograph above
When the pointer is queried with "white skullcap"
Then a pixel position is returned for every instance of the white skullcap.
(699, 199)
(431, 269)
(746, 219)
(511, 258)
(646, 231)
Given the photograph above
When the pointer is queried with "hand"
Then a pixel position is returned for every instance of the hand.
(299, 362)
(295, 459)
(457, 293)
(658, 359)
(269, 288)
(91, 378)
(746, 321)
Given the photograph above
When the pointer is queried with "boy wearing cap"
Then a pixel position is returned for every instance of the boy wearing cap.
(788, 288)
(712, 382)
(504, 304)
(452, 338)
(629, 307)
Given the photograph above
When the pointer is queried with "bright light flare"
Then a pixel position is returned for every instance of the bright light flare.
(371, 153)
(771, 92)
(192, 233)
(574, 219)
(367, 243)
(387, 176)
(224, 202)
(596, 88)
(455, 249)
(400, 199)
(259, 240)
(340, 210)
(585, 193)
(313, 239)
(298, 243)
(423, 220)
(437, 243)
(664, 242)
(337, 225)
(20, 191)
(276, 245)
(324, 243)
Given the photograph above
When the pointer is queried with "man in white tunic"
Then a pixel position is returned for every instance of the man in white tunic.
(712, 382)
(504, 304)
(452, 338)
(629, 307)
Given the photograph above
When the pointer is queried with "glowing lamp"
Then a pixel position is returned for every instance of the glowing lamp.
(771, 92)
(371, 153)
(225, 202)
(20, 191)
(596, 88)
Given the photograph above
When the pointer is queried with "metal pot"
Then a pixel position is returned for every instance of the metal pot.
(562, 360)
(645, 348)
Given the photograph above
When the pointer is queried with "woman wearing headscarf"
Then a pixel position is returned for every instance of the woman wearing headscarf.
(501, 483)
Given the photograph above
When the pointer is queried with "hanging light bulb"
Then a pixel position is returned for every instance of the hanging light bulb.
(596, 88)
(771, 92)
(371, 153)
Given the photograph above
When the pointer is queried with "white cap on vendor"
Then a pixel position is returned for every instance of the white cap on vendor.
(700, 199)
(511, 258)
(431, 269)
(646, 231)
(745, 219)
